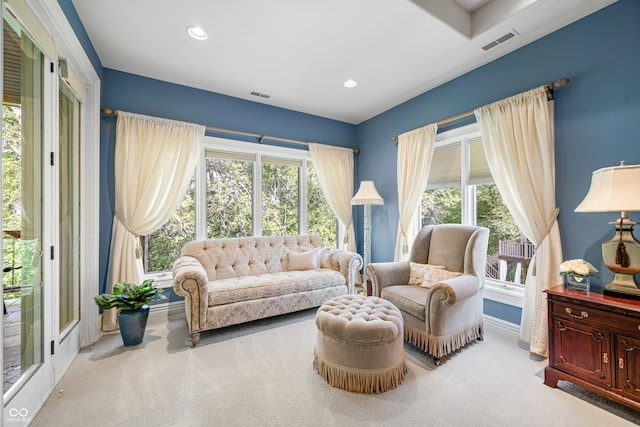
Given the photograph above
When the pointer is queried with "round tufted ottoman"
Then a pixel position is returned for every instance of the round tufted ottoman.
(359, 344)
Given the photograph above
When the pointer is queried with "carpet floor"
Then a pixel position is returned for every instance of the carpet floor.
(261, 374)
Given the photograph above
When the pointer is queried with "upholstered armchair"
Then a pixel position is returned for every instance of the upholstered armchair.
(439, 290)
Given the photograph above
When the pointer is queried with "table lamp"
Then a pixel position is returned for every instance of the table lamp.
(367, 195)
(616, 189)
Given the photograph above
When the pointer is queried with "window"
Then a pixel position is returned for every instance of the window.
(280, 196)
(243, 189)
(229, 181)
(320, 218)
(460, 190)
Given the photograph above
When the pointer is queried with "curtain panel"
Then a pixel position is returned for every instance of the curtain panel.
(518, 135)
(415, 151)
(154, 162)
(334, 167)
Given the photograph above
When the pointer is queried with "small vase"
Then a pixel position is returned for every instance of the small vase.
(132, 323)
(579, 283)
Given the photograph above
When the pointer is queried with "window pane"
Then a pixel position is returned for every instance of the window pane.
(479, 172)
(163, 247)
(69, 182)
(229, 198)
(442, 206)
(509, 252)
(445, 167)
(320, 218)
(279, 200)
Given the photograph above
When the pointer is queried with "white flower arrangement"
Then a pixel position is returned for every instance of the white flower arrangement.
(577, 268)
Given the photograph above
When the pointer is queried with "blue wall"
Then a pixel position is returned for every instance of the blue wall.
(128, 92)
(597, 120)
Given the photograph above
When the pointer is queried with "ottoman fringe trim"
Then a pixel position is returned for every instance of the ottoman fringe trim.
(371, 381)
(443, 345)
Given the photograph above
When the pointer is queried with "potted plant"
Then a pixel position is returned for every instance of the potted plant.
(132, 302)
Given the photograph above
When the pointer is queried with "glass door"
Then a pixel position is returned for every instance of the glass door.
(23, 227)
(68, 171)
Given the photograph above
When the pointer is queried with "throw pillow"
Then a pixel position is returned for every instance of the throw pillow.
(325, 254)
(418, 271)
(438, 275)
(309, 260)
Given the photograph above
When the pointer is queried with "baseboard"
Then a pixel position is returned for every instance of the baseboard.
(167, 308)
(502, 326)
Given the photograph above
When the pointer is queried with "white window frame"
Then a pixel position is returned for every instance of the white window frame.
(496, 290)
(164, 278)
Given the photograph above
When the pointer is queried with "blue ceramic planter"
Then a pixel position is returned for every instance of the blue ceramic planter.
(132, 323)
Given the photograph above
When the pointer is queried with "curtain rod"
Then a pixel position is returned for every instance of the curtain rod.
(260, 137)
(549, 87)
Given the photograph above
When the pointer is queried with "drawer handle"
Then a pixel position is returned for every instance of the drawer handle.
(605, 358)
(621, 363)
(583, 314)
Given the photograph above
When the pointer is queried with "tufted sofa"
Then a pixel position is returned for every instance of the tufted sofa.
(236, 280)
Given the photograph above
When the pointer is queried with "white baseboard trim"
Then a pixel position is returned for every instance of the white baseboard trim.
(502, 326)
(167, 308)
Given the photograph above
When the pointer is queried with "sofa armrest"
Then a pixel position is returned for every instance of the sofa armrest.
(348, 263)
(450, 291)
(190, 280)
(384, 274)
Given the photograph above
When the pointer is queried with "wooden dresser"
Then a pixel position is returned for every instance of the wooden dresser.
(594, 342)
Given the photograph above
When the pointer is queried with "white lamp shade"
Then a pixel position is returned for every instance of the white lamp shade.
(367, 195)
(613, 189)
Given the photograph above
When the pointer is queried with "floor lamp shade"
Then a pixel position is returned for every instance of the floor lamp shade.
(367, 195)
(617, 189)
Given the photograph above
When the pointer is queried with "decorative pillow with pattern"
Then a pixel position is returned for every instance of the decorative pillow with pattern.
(438, 275)
(417, 272)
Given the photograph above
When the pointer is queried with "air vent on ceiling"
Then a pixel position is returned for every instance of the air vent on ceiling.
(511, 34)
(258, 94)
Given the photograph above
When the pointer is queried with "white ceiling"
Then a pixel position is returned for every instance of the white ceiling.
(301, 51)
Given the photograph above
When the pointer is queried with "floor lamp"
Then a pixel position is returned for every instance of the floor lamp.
(367, 195)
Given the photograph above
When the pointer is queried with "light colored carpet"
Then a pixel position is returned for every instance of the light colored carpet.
(261, 374)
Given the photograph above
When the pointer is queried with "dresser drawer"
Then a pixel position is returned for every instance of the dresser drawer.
(590, 315)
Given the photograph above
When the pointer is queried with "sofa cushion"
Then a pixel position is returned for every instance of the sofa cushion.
(226, 291)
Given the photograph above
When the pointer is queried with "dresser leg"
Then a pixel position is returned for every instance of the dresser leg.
(550, 378)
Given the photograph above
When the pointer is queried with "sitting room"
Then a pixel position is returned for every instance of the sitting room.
(336, 213)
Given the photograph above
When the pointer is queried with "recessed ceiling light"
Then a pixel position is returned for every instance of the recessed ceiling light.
(350, 83)
(197, 32)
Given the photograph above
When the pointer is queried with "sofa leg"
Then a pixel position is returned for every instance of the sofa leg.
(436, 360)
(195, 337)
(480, 338)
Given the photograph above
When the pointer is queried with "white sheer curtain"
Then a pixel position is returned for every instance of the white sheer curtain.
(518, 135)
(154, 162)
(415, 151)
(334, 167)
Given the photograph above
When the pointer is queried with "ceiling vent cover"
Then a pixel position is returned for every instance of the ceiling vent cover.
(511, 34)
(260, 95)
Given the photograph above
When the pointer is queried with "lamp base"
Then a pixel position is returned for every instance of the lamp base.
(622, 291)
(624, 284)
